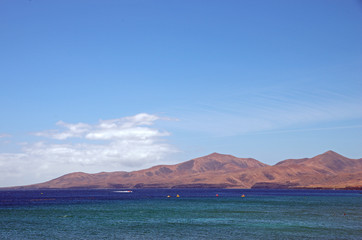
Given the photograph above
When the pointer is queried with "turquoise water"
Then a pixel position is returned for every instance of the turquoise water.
(196, 214)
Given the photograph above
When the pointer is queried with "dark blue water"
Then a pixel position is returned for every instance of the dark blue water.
(196, 214)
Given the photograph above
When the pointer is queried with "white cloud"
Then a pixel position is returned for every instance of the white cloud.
(110, 145)
(70, 131)
(122, 128)
(4, 135)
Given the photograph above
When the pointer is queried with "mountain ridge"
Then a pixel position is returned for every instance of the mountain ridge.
(326, 170)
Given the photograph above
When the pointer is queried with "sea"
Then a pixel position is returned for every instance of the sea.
(181, 214)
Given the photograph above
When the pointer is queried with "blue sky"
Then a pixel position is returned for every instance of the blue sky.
(122, 85)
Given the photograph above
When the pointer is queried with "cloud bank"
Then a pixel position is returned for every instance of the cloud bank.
(110, 145)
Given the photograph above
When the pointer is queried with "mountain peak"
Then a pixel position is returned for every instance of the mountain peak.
(215, 154)
(334, 162)
(330, 153)
(225, 161)
(217, 157)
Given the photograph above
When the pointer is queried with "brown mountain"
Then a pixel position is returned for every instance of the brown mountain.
(328, 170)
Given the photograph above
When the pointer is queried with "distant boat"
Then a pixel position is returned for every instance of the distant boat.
(125, 191)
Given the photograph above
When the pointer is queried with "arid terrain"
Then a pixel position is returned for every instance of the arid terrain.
(329, 170)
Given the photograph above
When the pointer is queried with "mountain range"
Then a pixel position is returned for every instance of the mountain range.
(329, 170)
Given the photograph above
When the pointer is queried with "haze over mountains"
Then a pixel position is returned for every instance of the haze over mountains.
(327, 170)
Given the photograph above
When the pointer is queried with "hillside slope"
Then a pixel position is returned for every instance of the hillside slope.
(327, 170)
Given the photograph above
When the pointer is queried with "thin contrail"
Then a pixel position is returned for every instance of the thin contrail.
(310, 129)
